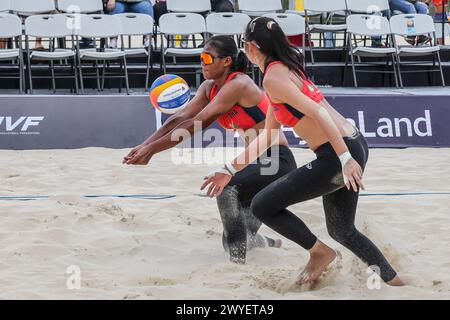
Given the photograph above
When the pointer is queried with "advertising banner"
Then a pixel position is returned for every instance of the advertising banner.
(70, 122)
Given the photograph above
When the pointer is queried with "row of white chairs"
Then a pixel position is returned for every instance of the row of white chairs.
(31, 7)
(405, 25)
(90, 6)
(72, 28)
(327, 10)
(105, 26)
(99, 26)
(313, 8)
(362, 25)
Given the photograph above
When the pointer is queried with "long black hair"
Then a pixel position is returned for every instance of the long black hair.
(273, 43)
(226, 47)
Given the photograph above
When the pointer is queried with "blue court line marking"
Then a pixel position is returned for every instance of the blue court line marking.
(163, 197)
(120, 196)
(400, 194)
(134, 196)
(25, 198)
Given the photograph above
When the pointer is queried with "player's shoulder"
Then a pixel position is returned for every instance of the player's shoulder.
(205, 88)
(240, 79)
(275, 71)
(245, 84)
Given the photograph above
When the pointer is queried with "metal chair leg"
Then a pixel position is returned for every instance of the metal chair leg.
(394, 71)
(30, 76)
(400, 78)
(440, 68)
(126, 74)
(75, 74)
(354, 70)
(81, 76)
(20, 75)
(147, 75)
(103, 75)
(120, 77)
(97, 73)
(310, 47)
(52, 68)
(344, 74)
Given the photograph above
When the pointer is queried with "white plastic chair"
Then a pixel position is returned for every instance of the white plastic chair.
(291, 24)
(416, 25)
(100, 26)
(328, 9)
(80, 6)
(369, 26)
(11, 27)
(259, 7)
(228, 24)
(196, 6)
(377, 7)
(184, 24)
(54, 27)
(5, 5)
(137, 24)
(367, 6)
(27, 7)
(184, 6)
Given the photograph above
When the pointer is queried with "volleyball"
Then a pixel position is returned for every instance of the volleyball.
(169, 93)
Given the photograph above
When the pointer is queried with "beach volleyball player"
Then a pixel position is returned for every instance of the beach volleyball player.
(336, 174)
(232, 98)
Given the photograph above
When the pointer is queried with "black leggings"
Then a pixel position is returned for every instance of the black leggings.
(240, 226)
(322, 177)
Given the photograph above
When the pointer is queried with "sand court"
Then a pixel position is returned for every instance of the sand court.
(123, 245)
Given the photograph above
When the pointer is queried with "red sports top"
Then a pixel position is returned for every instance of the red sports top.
(239, 117)
(287, 114)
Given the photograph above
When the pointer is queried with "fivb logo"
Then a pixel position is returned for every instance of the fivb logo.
(19, 126)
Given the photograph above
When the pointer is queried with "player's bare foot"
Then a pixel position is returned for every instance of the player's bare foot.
(321, 256)
(396, 282)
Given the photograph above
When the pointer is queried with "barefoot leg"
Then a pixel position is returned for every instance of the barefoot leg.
(396, 282)
(321, 256)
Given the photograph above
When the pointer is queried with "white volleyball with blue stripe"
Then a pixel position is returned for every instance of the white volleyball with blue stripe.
(169, 93)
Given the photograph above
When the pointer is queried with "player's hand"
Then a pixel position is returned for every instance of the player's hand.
(216, 181)
(353, 175)
(140, 155)
(131, 153)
